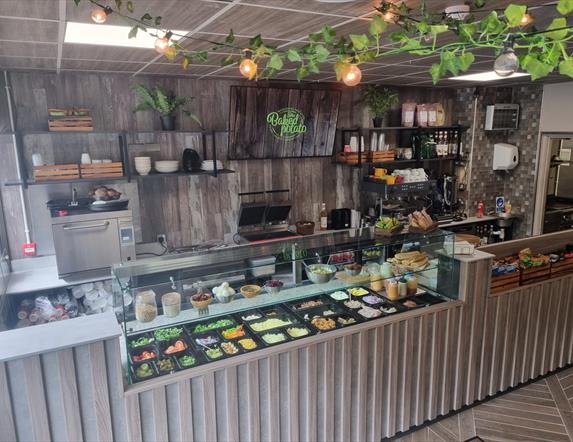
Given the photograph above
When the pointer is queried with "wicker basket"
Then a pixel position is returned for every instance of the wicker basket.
(201, 305)
(305, 227)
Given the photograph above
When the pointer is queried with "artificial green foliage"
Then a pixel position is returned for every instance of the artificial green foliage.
(161, 101)
(418, 32)
(379, 100)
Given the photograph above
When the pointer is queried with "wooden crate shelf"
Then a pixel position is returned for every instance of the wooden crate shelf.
(535, 274)
(505, 282)
(103, 170)
(57, 172)
(560, 267)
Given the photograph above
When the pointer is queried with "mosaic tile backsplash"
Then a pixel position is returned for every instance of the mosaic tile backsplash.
(517, 185)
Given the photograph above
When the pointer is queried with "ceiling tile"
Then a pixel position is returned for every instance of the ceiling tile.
(269, 23)
(176, 14)
(28, 30)
(43, 9)
(86, 65)
(348, 9)
(27, 49)
(27, 63)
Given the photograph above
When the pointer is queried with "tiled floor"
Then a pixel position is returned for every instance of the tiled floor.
(542, 411)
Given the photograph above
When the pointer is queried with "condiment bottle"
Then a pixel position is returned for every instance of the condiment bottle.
(480, 209)
(323, 217)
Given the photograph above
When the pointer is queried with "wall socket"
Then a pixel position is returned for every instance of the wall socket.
(162, 238)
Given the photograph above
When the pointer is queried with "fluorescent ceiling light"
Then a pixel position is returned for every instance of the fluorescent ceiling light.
(487, 76)
(110, 35)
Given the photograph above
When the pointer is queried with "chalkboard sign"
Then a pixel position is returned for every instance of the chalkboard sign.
(267, 122)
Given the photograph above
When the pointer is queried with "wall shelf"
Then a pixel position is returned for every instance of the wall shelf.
(397, 189)
(152, 175)
(79, 181)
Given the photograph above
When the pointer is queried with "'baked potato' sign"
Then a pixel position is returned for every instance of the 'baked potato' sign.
(273, 122)
(287, 123)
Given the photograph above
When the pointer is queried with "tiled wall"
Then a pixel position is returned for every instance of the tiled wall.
(517, 185)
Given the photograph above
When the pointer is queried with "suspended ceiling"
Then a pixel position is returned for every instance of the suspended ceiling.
(32, 37)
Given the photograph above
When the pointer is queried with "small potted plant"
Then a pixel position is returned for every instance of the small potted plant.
(379, 101)
(164, 102)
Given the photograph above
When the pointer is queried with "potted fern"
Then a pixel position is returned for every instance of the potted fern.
(164, 102)
(379, 101)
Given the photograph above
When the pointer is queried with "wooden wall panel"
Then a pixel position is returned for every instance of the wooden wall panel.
(187, 210)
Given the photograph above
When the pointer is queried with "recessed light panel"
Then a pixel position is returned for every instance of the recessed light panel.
(111, 35)
(487, 76)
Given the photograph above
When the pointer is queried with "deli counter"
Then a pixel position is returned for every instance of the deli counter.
(179, 312)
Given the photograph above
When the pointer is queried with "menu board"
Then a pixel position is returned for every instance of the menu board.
(272, 122)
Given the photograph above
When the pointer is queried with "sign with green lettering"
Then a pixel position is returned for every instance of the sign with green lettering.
(287, 123)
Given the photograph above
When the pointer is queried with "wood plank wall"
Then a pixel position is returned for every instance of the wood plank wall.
(188, 210)
(364, 385)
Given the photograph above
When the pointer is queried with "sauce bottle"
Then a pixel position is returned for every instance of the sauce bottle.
(480, 209)
(323, 217)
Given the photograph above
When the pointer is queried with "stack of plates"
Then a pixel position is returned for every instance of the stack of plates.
(167, 166)
(208, 165)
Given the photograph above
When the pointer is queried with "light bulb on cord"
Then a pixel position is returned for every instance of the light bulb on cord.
(162, 44)
(248, 67)
(506, 63)
(388, 16)
(99, 15)
(527, 19)
(352, 75)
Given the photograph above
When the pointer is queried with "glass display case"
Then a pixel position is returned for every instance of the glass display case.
(180, 311)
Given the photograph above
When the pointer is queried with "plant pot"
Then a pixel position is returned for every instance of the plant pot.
(380, 121)
(167, 122)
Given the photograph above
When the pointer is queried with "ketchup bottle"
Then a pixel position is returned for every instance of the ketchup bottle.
(480, 209)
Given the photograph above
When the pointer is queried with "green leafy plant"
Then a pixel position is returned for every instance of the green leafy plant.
(379, 100)
(161, 101)
(418, 32)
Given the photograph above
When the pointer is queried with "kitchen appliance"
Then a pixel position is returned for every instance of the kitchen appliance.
(340, 218)
(260, 222)
(505, 156)
(87, 241)
(501, 116)
(191, 160)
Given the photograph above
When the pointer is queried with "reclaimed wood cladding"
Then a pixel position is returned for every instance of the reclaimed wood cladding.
(249, 133)
(188, 209)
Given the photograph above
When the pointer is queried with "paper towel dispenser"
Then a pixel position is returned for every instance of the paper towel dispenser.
(505, 156)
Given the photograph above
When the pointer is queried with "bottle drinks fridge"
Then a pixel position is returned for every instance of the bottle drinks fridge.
(323, 217)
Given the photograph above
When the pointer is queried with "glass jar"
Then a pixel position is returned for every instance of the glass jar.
(412, 284)
(145, 306)
(171, 303)
(376, 282)
(392, 290)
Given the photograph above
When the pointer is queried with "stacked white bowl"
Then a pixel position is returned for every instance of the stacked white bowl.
(142, 165)
(208, 165)
(167, 166)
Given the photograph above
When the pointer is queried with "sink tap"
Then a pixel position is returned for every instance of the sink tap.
(74, 201)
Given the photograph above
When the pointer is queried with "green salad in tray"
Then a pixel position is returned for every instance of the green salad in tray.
(187, 361)
(166, 334)
(213, 325)
(142, 341)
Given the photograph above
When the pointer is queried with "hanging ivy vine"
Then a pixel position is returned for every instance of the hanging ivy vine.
(419, 33)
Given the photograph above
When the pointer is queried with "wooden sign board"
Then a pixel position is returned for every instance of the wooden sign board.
(282, 122)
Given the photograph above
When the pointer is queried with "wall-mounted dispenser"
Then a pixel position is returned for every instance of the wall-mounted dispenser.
(505, 156)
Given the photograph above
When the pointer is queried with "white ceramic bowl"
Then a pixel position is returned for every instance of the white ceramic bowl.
(143, 169)
(167, 166)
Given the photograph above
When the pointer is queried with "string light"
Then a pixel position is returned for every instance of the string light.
(352, 75)
(99, 15)
(388, 16)
(162, 44)
(507, 62)
(527, 19)
(248, 67)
